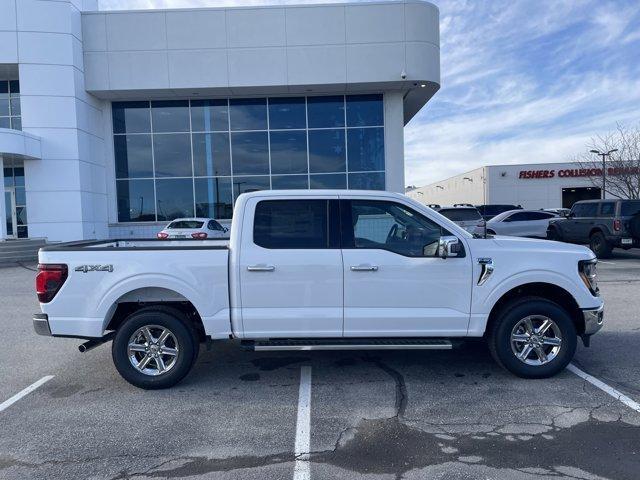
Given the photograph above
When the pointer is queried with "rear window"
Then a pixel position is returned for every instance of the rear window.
(629, 208)
(286, 224)
(497, 209)
(460, 214)
(585, 209)
(186, 224)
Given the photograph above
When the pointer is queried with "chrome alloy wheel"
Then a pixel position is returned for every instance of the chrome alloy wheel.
(153, 350)
(536, 340)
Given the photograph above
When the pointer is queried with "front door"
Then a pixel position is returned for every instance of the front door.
(290, 268)
(394, 282)
(10, 212)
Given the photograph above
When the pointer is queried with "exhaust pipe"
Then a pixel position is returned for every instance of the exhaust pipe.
(95, 342)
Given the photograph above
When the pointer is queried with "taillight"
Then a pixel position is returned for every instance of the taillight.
(49, 280)
(199, 235)
(617, 225)
(162, 235)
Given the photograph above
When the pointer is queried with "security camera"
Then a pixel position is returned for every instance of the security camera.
(403, 75)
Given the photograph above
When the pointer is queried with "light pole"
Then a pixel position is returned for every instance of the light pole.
(604, 156)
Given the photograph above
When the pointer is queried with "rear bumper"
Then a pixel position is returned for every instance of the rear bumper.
(624, 241)
(41, 324)
(593, 320)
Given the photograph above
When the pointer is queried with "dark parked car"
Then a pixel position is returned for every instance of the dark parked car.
(490, 211)
(603, 224)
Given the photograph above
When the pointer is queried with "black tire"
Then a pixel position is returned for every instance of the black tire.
(553, 234)
(599, 245)
(184, 339)
(501, 328)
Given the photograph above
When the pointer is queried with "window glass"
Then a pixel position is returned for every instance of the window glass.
(5, 122)
(136, 201)
(288, 152)
(21, 198)
(328, 180)
(589, 209)
(174, 198)
(248, 114)
(607, 209)
(15, 105)
(170, 116)
(23, 231)
(211, 155)
(14, 86)
(8, 177)
(172, 155)
(131, 117)
(209, 115)
(325, 112)
(133, 156)
(213, 225)
(286, 224)
(287, 113)
(18, 176)
(394, 227)
(250, 153)
(289, 182)
(213, 197)
(326, 151)
(249, 184)
(186, 224)
(365, 147)
(21, 215)
(16, 123)
(4, 104)
(364, 110)
(366, 181)
(460, 214)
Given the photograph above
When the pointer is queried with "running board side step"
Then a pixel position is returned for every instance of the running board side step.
(307, 344)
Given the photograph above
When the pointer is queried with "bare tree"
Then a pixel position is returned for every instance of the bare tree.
(622, 172)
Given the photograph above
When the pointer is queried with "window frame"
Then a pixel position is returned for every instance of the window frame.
(348, 237)
(333, 236)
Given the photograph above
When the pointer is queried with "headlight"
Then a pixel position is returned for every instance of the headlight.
(589, 274)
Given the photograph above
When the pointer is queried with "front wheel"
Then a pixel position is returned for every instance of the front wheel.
(533, 338)
(154, 348)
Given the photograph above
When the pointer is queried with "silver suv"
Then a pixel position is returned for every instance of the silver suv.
(603, 224)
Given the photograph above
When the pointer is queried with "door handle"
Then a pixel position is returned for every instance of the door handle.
(364, 268)
(261, 268)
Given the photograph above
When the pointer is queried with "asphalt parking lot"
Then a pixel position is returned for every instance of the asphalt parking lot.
(380, 415)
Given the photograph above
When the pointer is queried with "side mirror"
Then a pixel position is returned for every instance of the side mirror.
(449, 247)
(571, 215)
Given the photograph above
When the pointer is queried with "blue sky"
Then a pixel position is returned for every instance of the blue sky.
(522, 80)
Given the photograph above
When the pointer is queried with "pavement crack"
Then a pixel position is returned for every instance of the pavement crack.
(402, 396)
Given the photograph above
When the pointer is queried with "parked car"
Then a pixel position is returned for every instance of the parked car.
(199, 228)
(519, 223)
(563, 212)
(490, 211)
(321, 270)
(603, 224)
(467, 217)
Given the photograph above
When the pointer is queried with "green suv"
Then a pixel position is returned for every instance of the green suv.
(603, 224)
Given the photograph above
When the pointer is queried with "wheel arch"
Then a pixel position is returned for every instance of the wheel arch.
(548, 291)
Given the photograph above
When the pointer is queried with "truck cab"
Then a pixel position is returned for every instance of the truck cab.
(322, 270)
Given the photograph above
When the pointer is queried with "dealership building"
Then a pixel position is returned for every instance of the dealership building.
(114, 122)
(535, 185)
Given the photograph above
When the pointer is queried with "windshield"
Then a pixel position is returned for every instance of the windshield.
(460, 214)
(186, 224)
(630, 208)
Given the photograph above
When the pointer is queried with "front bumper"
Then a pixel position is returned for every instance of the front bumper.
(593, 320)
(41, 324)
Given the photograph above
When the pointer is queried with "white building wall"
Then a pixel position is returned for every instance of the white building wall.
(66, 195)
(454, 190)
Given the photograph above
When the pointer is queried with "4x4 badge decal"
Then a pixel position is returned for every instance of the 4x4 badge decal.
(94, 268)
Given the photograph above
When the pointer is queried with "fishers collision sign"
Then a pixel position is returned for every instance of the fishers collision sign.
(576, 172)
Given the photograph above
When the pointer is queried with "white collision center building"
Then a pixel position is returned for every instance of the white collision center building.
(114, 122)
(534, 185)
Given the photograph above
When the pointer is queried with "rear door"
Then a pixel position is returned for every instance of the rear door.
(291, 281)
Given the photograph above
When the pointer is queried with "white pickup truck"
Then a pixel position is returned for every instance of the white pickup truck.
(321, 270)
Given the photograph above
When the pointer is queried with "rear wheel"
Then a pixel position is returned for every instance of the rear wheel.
(553, 234)
(533, 338)
(154, 348)
(599, 245)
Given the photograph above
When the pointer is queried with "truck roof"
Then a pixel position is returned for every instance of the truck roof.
(322, 193)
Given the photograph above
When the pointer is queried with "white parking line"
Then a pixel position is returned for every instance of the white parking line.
(7, 403)
(605, 388)
(302, 469)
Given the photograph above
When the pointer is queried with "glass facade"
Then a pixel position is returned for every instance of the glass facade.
(194, 157)
(15, 196)
(10, 116)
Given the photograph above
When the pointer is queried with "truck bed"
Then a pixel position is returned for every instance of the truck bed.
(105, 274)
